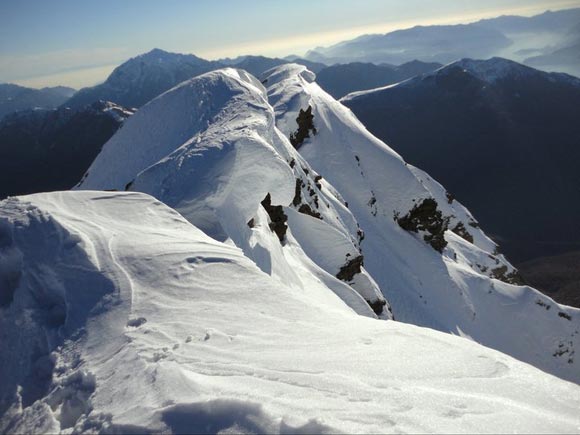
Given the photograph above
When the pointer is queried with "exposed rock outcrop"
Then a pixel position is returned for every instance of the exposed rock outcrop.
(277, 217)
(305, 121)
(425, 217)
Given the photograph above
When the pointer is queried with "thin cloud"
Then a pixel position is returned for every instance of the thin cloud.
(18, 67)
(301, 43)
(78, 78)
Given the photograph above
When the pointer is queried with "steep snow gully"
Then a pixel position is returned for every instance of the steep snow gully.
(238, 282)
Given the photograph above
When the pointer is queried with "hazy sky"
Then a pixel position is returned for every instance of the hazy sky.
(79, 42)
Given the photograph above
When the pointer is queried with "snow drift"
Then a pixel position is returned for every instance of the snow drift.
(117, 315)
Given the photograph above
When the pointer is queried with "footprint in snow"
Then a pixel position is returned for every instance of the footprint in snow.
(207, 260)
(135, 323)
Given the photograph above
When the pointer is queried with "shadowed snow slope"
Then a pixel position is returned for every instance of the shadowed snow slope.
(454, 290)
(117, 315)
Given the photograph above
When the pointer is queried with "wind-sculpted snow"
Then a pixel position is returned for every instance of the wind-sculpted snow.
(210, 149)
(215, 147)
(464, 289)
(122, 317)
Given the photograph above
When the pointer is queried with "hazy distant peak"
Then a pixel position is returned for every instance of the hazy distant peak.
(498, 68)
(144, 77)
(15, 98)
(157, 52)
(158, 55)
(488, 71)
(64, 90)
(493, 69)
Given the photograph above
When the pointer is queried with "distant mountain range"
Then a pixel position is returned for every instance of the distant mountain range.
(242, 250)
(502, 137)
(14, 98)
(146, 76)
(565, 56)
(427, 43)
(257, 65)
(341, 79)
(549, 41)
(142, 78)
(548, 22)
(45, 150)
(495, 105)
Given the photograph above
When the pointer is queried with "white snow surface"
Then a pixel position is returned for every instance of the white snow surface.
(216, 145)
(210, 149)
(189, 313)
(454, 291)
(125, 318)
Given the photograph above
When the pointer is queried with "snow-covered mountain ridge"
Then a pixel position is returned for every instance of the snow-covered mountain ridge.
(485, 129)
(255, 297)
(451, 292)
(15, 98)
(142, 78)
(487, 71)
(128, 319)
(218, 125)
(223, 126)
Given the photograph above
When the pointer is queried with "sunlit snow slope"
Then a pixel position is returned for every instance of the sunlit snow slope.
(209, 148)
(216, 148)
(453, 291)
(117, 315)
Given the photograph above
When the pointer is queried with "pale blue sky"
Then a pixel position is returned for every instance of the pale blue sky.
(78, 42)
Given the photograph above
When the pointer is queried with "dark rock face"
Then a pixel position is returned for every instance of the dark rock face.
(350, 269)
(306, 209)
(300, 204)
(426, 217)
(305, 121)
(487, 141)
(502, 274)
(347, 274)
(51, 150)
(461, 231)
(378, 306)
(317, 181)
(277, 217)
(298, 192)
